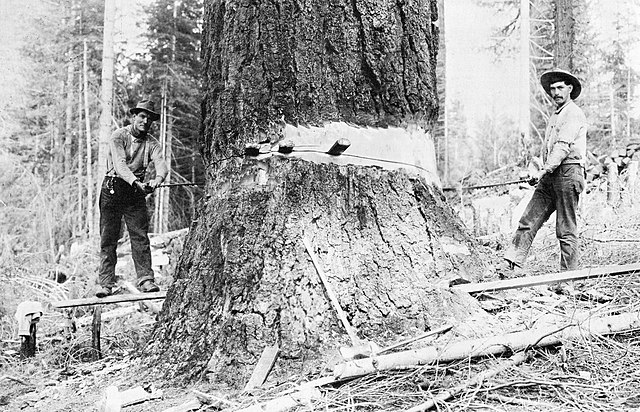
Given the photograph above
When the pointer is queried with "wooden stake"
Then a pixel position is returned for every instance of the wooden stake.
(28, 345)
(95, 332)
(263, 367)
(548, 279)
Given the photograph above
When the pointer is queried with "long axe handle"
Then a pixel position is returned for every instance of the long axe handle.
(181, 184)
(332, 297)
(438, 331)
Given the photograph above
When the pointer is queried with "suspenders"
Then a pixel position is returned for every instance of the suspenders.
(145, 154)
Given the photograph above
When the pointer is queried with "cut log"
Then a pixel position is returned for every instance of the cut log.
(494, 345)
(263, 367)
(569, 275)
(478, 380)
(109, 299)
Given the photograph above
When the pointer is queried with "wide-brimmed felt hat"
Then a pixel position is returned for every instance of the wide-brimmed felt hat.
(148, 106)
(558, 75)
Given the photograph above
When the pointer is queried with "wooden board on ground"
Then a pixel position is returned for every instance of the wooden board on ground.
(569, 275)
(132, 297)
(263, 367)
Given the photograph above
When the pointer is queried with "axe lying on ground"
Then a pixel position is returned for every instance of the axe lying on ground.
(360, 348)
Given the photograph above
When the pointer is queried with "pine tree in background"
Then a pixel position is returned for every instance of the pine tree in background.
(612, 80)
(168, 71)
(46, 141)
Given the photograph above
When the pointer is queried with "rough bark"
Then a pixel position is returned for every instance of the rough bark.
(564, 34)
(245, 280)
(68, 128)
(385, 237)
(309, 62)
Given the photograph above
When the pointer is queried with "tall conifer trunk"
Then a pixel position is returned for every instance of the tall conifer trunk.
(311, 72)
(564, 34)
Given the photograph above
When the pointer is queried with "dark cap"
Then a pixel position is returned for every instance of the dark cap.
(147, 106)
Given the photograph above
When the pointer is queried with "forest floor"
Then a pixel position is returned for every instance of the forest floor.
(590, 374)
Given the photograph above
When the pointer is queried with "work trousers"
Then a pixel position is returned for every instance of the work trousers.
(556, 192)
(119, 199)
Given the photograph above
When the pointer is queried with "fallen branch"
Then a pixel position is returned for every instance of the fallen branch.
(517, 401)
(515, 360)
(13, 378)
(549, 278)
(512, 342)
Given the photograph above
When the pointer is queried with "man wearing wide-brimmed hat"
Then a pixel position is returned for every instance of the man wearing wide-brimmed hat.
(561, 179)
(131, 150)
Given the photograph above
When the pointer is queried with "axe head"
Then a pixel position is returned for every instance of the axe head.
(365, 349)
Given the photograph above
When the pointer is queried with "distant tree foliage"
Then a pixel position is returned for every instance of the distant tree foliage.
(171, 66)
(564, 35)
(48, 138)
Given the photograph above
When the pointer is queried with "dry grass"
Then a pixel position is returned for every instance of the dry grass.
(596, 374)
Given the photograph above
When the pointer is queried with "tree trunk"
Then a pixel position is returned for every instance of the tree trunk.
(68, 129)
(564, 35)
(312, 72)
(525, 84)
(87, 119)
(81, 160)
(106, 94)
(442, 136)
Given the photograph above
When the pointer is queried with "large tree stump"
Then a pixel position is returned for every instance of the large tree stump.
(245, 281)
(314, 71)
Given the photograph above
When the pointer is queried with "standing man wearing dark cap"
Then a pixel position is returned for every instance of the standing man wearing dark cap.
(561, 179)
(131, 150)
